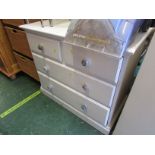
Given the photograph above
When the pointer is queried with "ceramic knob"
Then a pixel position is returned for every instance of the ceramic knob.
(84, 108)
(85, 62)
(50, 88)
(84, 87)
(45, 68)
(40, 47)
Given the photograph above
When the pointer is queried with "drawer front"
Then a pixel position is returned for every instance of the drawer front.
(27, 66)
(89, 107)
(89, 86)
(100, 65)
(14, 22)
(32, 20)
(19, 41)
(45, 46)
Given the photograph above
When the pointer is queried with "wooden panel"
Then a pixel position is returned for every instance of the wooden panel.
(27, 66)
(14, 22)
(2, 67)
(32, 20)
(19, 41)
(9, 64)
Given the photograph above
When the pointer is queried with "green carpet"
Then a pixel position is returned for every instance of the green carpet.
(40, 116)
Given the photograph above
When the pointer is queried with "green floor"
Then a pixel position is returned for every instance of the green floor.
(40, 115)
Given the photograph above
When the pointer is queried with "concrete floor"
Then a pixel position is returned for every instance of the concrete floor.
(40, 116)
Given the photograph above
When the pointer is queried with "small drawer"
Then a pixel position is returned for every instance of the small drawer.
(32, 20)
(84, 104)
(96, 89)
(48, 47)
(27, 66)
(19, 41)
(100, 65)
(14, 22)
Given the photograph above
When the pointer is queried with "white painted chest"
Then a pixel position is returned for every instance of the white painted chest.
(90, 84)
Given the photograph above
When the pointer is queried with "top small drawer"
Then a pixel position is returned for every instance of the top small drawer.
(97, 64)
(45, 46)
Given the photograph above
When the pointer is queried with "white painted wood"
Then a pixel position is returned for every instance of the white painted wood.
(89, 86)
(58, 31)
(45, 46)
(138, 115)
(130, 61)
(101, 128)
(100, 65)
(84, 104)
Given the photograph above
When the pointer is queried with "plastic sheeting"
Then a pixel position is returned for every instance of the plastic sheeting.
(103, 35)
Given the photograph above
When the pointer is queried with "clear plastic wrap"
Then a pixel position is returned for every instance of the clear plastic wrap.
(103, 35)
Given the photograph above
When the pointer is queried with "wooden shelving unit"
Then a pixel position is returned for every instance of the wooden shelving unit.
(8, 63)
(19, 44)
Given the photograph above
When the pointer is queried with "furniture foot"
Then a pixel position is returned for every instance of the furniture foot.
(13, 77)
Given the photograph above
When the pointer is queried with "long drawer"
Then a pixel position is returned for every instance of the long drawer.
(97, 64)
(89, 86)
(19, 41)
(45, 46)
(27, 66)
(84, 104)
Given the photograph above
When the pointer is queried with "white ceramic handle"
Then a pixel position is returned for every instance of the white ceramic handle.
(85, 62)
(41, 47)
(50, 88)
(84, 108)
(85, 87)
(45, 68)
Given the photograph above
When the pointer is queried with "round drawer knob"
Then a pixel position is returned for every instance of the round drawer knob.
(45, 68)
(84, 87)
(85, 62)
(40, 47)
(84, 108)
(50, 88)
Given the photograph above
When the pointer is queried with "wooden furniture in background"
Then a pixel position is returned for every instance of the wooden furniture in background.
(14, 22)
(19, 41)
(27, 65)
(20, 46)
(8, 63)
(18, 22)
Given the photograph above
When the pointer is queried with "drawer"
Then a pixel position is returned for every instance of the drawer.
(89, 86)
(27, 66)
(45, 46)
(14, 22)
(97, 64)
(86, 105)
(19, 41)
(32, 20)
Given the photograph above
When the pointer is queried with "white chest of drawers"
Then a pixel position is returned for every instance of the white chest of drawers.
(90, 84)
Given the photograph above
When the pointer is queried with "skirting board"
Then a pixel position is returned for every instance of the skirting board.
(87, 119)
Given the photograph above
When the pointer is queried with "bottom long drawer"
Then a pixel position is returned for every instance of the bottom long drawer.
(98, 126)
(82, 103)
